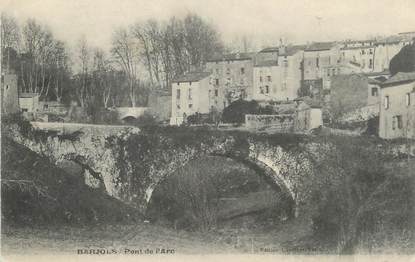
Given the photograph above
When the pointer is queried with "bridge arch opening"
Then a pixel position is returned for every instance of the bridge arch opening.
(217, 190)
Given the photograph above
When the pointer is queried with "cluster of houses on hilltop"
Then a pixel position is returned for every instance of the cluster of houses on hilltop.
(349, 77)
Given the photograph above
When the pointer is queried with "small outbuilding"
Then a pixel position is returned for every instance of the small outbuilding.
(308, 115)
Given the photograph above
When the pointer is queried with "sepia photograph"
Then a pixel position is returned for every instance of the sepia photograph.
(224, 130)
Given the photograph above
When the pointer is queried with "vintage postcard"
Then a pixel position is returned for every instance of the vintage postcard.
(190, 130)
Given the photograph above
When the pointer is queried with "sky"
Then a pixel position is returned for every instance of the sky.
(264, 21)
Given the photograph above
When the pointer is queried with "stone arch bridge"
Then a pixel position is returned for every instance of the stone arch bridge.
(129, 163)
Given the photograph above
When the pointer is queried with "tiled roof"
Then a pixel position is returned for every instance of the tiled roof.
(320, 46)
(232, 57)
(28, 95)
(312, 103)
(267, 63)
(373, 81)
(384, 72)
(357, 47)
(289, 50)
(191, 77)
(400, 78)
(270, 49)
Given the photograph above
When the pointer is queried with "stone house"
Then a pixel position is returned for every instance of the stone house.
(318, 58)
(397, 110)
(308, 115)
(193, 93)
(232, 76)
(279, 78)
(359, 52)
(53, 107)
(350, 93)
(9, 94)
(29, 102)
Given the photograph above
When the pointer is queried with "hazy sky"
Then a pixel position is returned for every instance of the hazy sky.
(296, 20)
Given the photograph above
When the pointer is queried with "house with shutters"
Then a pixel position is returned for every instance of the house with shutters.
(192, 93)
(397, 111)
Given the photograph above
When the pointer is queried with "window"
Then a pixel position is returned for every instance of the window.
(386, 102)
(178, 83)
(190, 83)
(190, 105)
(374, 91)
(242, 70)
(370, 63)
(228, 71)
(333, 71)
(178, 106)
(371, 51)
(266, 89)
(317, 62)
(216, 92)
(399, 121)
(328, 72)
(178, 94)
(190, 94)
(7, 87)
(269, 78)
(217, 81)
(408, 99)
(363, 52)
(217, 70)
(260, 79)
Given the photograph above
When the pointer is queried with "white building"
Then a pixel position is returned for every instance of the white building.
(192, 93)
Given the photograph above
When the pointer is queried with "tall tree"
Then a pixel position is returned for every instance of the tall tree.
(125, 50)
(10, 37)
(83, 56)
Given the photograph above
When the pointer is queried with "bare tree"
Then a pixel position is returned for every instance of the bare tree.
(83, 55)
(126, 53)
(10, 36)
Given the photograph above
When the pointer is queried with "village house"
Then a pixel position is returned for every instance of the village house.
(320, 59)
(29, 102)
(397, 111)
(308, 115)
(361, 53)
(232, 75)
(9, 94)
(279, 77)
(193, 93)
(354, 94)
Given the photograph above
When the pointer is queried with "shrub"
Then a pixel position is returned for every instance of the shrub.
(146, 120)
(236, 111)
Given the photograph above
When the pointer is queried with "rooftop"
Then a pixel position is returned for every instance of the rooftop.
(191, 77)
(401, 77)
(287, 51)
(232, 57)
(319, 46)
(384, 72)
(28, 95)
(267, 63)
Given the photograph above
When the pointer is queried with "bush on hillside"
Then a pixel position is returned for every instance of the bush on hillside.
(236, 111)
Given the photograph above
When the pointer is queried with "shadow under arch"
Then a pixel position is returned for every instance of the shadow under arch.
(271, 177)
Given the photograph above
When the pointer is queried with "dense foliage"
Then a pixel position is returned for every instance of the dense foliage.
(404, 61)
(236, 111)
